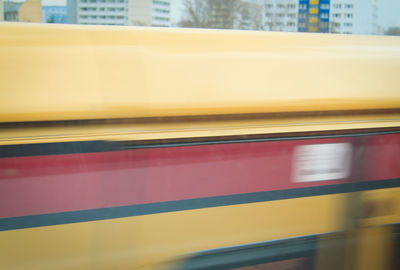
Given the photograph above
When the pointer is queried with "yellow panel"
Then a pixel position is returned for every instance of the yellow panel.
(56, 72)
(313, 11)
(314, 2)
(145, 242)
(312, 20)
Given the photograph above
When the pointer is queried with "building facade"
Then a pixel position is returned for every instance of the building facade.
(54, 14)
(313, 16)
(72, 11)
(354, 17)
(280, 15)
(1, 11)
(103, 12)
(30, 11)
(119, 12)
(161, 11)
(11, 11)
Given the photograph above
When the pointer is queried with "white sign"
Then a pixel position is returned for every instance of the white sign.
(321, 162)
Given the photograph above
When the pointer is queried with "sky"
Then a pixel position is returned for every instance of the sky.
(388, 13)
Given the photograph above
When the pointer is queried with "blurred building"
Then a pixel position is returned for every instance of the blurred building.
(281, 15)
(109, 12)
(161, 11)
(72, 11)
(30, 11)
(54, 14)
(313, 16)
(11, 11)
(119, 12)
(149, 13)
(322, 16)
(1, 11)
(251, 16)
(354, 17)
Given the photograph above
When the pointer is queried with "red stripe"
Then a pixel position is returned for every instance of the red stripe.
(48, 184)
(383, 157)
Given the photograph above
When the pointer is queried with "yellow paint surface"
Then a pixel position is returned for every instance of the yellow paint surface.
(146, 242)
(56, 72)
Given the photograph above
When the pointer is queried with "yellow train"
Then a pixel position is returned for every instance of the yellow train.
(140, 148)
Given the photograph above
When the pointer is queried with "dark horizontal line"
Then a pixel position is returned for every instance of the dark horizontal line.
(305, 247)
(13, 223)
(59, 148)
(253, 254)
(200, 118)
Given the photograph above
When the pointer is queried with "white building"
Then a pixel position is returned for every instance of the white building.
(280, 15)
(161, 13)
(110, 12)
(123, 12)
(354, 17)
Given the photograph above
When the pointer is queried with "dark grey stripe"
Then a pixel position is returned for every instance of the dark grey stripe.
(59, 148)
(253, 254)
(181, 205)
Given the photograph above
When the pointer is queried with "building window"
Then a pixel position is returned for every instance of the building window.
(336, 15)
(303, 6)
(269, 6)
(291, 5)
(292, 15)
(348, 24)
(161, 18)
(324, 15)
(324, 6)
(280, 15)
(349, 6)
(162, 3)
(303, 16)
(323, 25)
(337, 5)
(348, 15)
(161, 10)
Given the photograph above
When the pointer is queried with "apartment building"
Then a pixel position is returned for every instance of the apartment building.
(354, 17)
(54, 14)
(313, 16)
(119, 12)
(280, 15)
(1, 11)
(109, 12)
